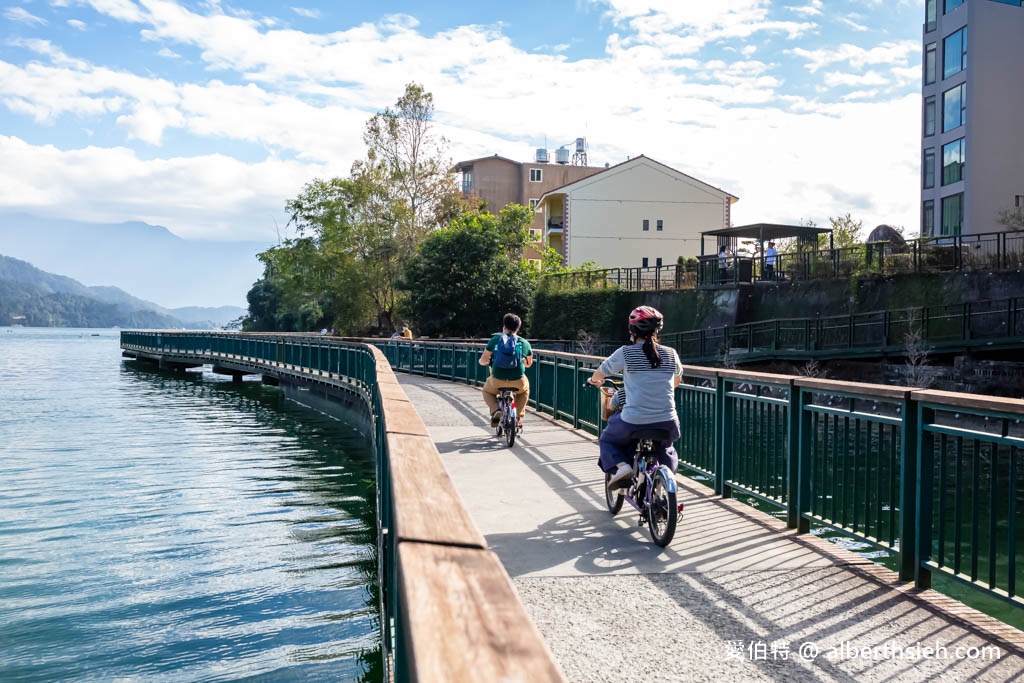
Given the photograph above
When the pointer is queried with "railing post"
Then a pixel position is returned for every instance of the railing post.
(910, 494)
(925, 456)
(804, 463)
(725, 463)
(793, 458)
(720, 435)
(577, 386)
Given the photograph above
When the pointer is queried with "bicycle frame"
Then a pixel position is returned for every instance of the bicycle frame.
(509, 415)
(645, 464)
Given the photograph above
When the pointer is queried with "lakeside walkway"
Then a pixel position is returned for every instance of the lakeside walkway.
(735, 595)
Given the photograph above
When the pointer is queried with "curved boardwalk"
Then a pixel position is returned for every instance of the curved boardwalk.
(735, 596)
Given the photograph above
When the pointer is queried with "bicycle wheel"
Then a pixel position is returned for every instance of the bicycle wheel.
(662, 515)
(613, 498)
(510, 427)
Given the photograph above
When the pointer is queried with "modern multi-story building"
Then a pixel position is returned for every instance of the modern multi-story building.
(972, 155)
(498, 181)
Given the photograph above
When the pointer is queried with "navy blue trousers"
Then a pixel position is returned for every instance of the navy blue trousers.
(616, 446)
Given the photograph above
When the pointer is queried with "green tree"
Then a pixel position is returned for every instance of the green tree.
(845, 232)
(315, 275)
(467, 275)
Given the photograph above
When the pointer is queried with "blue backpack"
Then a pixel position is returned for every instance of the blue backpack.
(506, 353)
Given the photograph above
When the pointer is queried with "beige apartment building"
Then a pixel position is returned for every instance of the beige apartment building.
(637, 213)
(499, 181)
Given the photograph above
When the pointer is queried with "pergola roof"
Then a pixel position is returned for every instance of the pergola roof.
(767, 231)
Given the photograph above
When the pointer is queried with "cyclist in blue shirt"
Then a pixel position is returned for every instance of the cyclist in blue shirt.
(650, 372)
(509, 355)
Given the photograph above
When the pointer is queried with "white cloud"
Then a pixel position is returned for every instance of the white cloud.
(853, 24)
(77, 24)
(205, 197)
(168, 53)
(306, 13)
(305, 97)
(23, 16)
(895, 53)
(811, 9)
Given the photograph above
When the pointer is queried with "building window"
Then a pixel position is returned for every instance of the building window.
(645, 262)
(534, 235)
(954, 107)
(953, 160)
(929, 169)
(1018, 200)
(536, 174)
(647, 224)
(954, 53)
(657, 262)
(950, 5)
(534, 203)
(928, 219)
(661, 227)
(952, 214)
(929, 63)
(929, 115)
(467, 182)
(930, 10)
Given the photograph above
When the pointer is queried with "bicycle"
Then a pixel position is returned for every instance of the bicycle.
(508, 424)
(652, 488)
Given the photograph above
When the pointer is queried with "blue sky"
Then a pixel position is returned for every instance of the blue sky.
(206, 116)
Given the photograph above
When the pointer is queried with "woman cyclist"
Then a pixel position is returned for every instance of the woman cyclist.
(650, 373)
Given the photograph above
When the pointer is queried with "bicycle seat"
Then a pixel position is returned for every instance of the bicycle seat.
(652, 434)
(506, 390)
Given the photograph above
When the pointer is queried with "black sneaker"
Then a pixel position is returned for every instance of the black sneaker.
(495, 419)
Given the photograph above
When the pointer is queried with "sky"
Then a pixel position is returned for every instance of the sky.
(207, 116)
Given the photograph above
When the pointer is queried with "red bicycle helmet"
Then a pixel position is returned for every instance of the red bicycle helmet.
(645, 320)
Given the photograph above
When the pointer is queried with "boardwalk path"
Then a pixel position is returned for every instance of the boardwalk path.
(734, 597)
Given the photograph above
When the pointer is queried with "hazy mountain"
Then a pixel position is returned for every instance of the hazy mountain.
(147, 260)
(45, 299)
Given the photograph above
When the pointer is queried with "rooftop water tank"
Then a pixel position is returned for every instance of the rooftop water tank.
(581, 145)
(542, 155)
(562, 155)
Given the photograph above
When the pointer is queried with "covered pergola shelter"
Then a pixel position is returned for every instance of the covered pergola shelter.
(734, 269)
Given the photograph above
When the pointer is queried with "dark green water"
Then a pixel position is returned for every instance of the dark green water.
(166, 527)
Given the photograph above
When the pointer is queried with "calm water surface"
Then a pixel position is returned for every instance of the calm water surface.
(162, 527)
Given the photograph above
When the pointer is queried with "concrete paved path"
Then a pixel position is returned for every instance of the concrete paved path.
(736, 595)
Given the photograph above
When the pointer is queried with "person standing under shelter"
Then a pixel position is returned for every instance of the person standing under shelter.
(509, 355)
(723, 264)
(769, 261)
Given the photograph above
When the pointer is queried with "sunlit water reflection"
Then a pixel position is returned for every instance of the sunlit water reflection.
(156, 526)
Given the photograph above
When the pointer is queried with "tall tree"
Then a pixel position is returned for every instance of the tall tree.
(414, 164)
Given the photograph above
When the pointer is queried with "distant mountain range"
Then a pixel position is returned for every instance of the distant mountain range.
(147, 260)
(35, 298)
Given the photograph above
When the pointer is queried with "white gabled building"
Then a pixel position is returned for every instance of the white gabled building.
(637, 213)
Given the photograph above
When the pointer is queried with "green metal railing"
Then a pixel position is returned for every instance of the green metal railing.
(996, 323)
(838, 454)
(933, 477)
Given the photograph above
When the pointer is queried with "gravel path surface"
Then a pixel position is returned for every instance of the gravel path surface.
(736, 596)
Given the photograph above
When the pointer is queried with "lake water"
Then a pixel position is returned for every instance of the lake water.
(176, 527)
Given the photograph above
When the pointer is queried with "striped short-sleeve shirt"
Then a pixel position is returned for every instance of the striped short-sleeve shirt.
(650, 392)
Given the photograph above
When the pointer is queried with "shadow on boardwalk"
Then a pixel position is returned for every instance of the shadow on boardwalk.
(735, 595)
